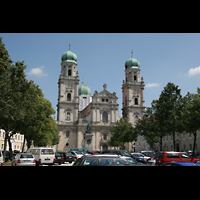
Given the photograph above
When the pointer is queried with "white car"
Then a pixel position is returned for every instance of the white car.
(1, 158)
(24, 159)
(76, 154)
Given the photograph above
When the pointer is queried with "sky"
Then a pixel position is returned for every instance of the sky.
(101, 57)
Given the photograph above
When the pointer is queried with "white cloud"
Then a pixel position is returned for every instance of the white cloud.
(149, 85)
(37, 71)
(194, 71)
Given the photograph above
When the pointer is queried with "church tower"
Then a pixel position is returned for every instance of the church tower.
(133, 92)
(67, 108)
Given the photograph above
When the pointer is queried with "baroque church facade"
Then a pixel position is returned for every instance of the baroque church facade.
(85, 121)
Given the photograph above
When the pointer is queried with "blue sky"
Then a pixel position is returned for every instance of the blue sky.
(163, 57)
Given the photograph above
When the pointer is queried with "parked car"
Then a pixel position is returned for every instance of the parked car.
(1, 158)
(117, 152)
(148, 154)
(138, 157)
(24, 159)
(165, 157)
(132, 161)
(59, 158)
(102, 160)
(76, 154)
(152, 160)
(68, 157)
(180, 164)
(43, 155)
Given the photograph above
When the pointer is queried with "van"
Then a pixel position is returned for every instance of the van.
(1, 158)
(43, 155)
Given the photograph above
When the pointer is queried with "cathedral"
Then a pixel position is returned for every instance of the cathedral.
(85, 121)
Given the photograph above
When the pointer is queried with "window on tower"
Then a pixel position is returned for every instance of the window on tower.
(105, 117)
(69, 72)
(68, 97)
(136, 101)
(135, 78)
(67, 133)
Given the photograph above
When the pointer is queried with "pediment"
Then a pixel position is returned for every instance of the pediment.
(105, 93)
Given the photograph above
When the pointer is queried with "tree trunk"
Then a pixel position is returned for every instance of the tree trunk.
(23, 145)
(194, 145)
(5, 143)
(10, 148)
(29, 142)
(160, 143)
(174, 141)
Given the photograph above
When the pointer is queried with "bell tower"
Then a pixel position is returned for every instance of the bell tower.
(67, 107)
(133, 91)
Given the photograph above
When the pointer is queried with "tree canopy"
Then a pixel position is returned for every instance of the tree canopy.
(23, 107)
(122, 132)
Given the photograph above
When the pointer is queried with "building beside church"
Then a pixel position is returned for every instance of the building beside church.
(85, 121)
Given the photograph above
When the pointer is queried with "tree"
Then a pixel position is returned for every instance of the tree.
(149, 127)
(168, 113)
(38, 126)
(12, 80)
(122, 132)
(191, 114)
(22, 104)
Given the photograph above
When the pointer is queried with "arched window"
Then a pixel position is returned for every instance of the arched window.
(69, 72)
(135, 78)
(105, 117)
(136, 101)
(68, 97)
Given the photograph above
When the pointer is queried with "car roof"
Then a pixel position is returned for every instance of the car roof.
(101, 156)
(172, 152)
(184, 163)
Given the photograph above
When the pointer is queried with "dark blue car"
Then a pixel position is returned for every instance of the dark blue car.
(181, 164)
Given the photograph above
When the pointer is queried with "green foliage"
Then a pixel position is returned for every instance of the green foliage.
(23, 106)
(122, 132)
(169, 114)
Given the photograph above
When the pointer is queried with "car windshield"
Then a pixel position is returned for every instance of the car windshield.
(149, 154)
(131, 160)
(91, 162)
(138, 155)
(26, 156)
(120, 161)
(78, 152)
(47, 151)
(125, 153)
(104, 162)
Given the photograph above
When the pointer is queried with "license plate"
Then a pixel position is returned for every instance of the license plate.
(26, 161)
(47, 159)
(70, 157)
(59, 157)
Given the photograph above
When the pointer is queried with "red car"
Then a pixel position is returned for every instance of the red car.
(165, 157)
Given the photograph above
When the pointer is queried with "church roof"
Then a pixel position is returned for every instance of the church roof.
(132, 63)
(69, 56)
(84, 90)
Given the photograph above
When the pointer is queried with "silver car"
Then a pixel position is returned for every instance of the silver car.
(24, 159)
